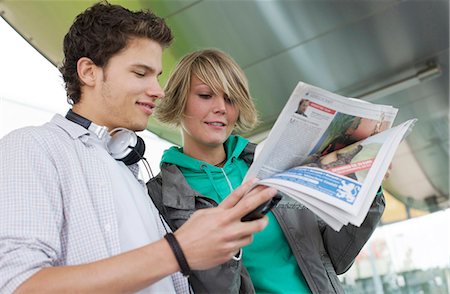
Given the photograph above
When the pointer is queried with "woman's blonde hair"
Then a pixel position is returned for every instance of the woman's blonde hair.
(217, 70)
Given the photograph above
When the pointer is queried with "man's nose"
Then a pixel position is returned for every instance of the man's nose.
(155, 90)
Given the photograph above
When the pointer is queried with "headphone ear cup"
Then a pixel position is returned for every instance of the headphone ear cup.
(124, 145)
(136, 153)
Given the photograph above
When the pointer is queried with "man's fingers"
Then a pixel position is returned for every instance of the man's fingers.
(253, 199)
(247, 230)
(237, 194)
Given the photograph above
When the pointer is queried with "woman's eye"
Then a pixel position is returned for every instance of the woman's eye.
(228, 100)
(204, 96)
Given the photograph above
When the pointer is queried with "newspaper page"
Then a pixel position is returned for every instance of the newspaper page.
(340, 186)
(315, 122)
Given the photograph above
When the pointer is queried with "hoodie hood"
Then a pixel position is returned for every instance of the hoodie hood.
(207, 179)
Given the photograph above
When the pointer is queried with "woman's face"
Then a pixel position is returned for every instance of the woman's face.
(209, 118)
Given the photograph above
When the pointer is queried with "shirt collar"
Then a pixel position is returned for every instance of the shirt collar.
(73, 129)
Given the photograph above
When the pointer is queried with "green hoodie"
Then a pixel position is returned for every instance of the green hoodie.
(208, 179)
(269, 259)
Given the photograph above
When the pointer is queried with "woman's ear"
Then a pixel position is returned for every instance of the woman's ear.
(87, 71)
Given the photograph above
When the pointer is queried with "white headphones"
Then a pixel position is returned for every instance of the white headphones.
(123, 145)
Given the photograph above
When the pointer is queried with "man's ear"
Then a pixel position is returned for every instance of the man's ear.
(87, 71)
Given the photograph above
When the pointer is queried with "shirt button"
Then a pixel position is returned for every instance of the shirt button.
(107, 227)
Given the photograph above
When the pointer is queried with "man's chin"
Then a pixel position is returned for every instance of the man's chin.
(137, 127)
(140, 129)
(142, 124)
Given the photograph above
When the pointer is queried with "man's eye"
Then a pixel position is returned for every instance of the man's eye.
(139, 74)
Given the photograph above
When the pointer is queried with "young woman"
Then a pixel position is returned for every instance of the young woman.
(207, 96)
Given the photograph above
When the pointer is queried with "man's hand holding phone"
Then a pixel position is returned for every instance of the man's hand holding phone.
(262, 209)
(213, 236)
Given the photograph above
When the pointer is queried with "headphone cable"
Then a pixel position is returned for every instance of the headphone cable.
(147, 167)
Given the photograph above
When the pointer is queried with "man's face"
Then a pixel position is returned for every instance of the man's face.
(303, 106)
(129, 88)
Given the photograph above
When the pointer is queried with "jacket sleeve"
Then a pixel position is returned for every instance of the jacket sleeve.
(345, 245)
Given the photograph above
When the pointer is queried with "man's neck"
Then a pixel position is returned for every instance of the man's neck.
(89, 113)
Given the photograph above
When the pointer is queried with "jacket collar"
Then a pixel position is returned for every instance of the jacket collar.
(176, 192)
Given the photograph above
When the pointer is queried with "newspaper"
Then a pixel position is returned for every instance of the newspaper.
(329, 153)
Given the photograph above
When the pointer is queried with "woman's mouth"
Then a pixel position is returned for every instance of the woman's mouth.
(216, 124)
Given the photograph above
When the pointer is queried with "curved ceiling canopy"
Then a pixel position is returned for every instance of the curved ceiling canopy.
(348, 47)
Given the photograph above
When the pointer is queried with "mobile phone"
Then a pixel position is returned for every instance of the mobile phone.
(261, 210)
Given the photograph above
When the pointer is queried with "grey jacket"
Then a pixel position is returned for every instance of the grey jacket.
(321, 252)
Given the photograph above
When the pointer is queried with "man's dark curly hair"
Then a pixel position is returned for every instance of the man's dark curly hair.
(102, 31)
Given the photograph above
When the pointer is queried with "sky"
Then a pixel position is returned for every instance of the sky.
(32, 91)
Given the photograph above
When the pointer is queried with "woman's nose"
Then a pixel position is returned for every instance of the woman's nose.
(219, 104)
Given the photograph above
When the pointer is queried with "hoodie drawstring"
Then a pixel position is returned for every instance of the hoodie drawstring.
(228, 181)
(234, 165)
(205, 168)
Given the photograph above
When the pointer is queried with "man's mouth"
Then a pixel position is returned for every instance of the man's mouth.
(148, 106)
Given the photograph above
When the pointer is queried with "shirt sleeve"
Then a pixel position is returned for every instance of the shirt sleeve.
(31, 210)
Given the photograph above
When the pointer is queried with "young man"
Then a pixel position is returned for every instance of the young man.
(72, 217)
(302, 106)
